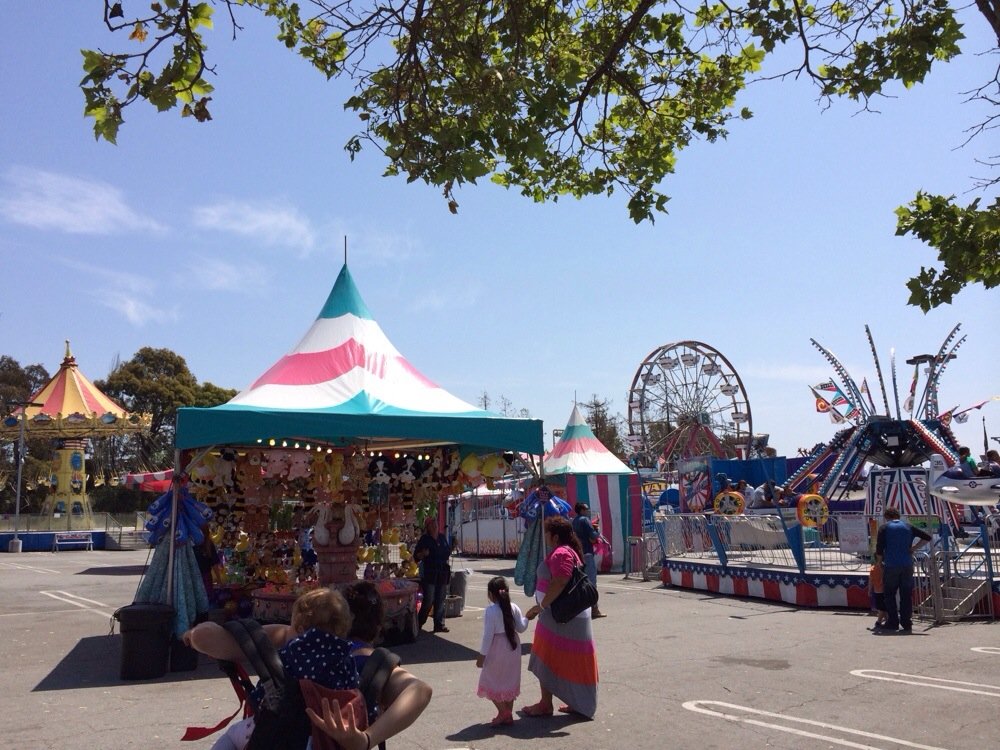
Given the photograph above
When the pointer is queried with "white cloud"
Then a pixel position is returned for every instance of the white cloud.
(114, 281)
(137, 312)
(282, 226)
(219, 276)
(46, 200)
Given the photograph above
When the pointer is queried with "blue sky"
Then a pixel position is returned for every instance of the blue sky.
(221, 241)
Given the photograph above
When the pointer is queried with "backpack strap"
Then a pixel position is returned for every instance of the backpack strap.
(374, 676)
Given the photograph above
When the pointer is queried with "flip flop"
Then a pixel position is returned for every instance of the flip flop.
(537, 709)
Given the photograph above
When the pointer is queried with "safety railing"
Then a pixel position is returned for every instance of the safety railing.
(644, 557)
(113, 527)
(842, 543)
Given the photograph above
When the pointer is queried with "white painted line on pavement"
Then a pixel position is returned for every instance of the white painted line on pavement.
(986, 649)
(992, 691)
(77, 601)
(19, 566)
(36, 614)
(697, 706)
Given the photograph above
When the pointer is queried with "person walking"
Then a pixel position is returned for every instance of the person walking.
(433, 551)
(895, 548)
(500, 651)
(587, 534)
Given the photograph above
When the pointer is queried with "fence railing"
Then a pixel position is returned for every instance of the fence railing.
(73, 522)
(768, 539)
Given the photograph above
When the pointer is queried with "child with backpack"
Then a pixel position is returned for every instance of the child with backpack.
(313, 647)
(393, 696)
(500, 651)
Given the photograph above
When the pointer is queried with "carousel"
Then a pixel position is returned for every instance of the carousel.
(69, 410)
(344, 438)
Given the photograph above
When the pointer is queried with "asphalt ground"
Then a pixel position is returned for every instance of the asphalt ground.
(678, 669)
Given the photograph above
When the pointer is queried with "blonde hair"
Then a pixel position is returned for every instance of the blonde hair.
(322, 608)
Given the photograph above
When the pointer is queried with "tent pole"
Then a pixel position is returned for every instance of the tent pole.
(175, 489)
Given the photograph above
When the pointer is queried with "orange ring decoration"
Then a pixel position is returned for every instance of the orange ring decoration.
(729, 503)
(812, 510)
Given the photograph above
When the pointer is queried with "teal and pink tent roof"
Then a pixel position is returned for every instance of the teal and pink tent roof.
(595, 476)
(580, 452)
(345, 383)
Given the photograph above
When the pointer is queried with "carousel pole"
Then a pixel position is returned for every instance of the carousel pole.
(175, 489)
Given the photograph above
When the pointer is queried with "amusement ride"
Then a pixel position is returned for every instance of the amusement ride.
(885, 433)
(686, 399)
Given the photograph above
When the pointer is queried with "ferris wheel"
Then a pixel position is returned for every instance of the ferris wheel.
(687, 400)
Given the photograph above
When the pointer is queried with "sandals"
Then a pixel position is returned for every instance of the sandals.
(537, 709)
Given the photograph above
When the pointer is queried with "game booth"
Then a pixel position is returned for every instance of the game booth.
(342, 436)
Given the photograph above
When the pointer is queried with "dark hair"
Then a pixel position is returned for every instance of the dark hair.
(563, 531)
(891, 513)
(368, 610)
(580, 507)
(497, 588)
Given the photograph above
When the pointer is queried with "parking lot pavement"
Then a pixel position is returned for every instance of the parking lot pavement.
(679, 669)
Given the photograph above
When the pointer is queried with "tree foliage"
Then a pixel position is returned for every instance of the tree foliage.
(576, 97)
(158, 382)
(17, 385)
(968, 244)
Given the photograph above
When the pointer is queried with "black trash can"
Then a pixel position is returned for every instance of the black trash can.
(146, 631)
(459, 581)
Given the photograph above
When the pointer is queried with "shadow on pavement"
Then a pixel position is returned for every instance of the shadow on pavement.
(523, 728)
(432, 648)
(114, 570)
(95, 662)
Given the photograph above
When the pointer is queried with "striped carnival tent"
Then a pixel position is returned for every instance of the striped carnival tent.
(595, 476)
(345, 384)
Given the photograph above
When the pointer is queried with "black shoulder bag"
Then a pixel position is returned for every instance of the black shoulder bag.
(578, 594)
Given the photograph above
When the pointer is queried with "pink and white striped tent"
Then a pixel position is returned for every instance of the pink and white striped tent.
(345, 384)
(595, 476)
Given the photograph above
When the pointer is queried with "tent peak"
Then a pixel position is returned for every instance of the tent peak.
(345, 298)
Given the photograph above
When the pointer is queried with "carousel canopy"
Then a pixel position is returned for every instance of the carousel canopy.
(345, 383)
(580, 452)
(70, 406)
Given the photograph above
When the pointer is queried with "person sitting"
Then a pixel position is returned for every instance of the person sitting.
(967, 463)
(403, 698)
(312, 647)
(991, 466)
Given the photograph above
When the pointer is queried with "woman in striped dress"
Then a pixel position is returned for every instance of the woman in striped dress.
(563, 657)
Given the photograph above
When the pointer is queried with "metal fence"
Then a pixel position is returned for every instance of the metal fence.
(768, 540)
(73, 522)
(481, 525)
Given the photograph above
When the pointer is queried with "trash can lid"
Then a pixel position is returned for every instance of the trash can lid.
(143, 613)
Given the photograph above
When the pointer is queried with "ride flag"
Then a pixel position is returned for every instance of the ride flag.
(822, 405)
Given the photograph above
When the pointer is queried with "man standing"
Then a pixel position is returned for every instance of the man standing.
(433, 551)
(895, 547)
(584, 529)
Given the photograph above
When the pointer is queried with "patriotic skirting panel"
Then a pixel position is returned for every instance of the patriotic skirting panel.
(842, 590)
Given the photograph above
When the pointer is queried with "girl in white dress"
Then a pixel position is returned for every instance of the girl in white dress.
(500, 652)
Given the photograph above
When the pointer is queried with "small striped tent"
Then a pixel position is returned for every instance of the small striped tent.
(595, 476)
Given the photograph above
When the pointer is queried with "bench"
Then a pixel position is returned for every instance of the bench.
(61, 538)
